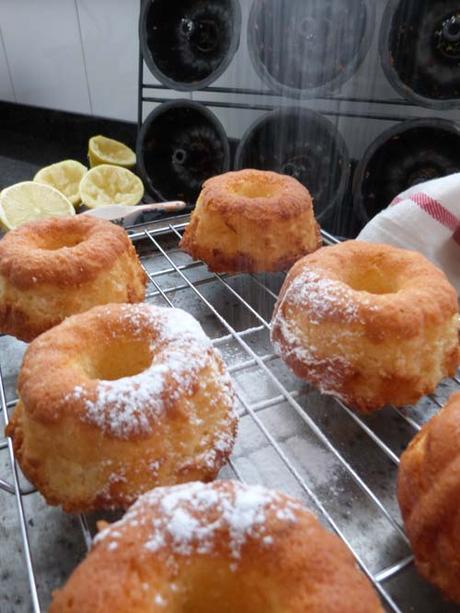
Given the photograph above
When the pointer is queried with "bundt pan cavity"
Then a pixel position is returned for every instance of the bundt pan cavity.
(305, 145)
(188, 44)
(305, 48)
(180, 145)
(420, 51)
(407, 154)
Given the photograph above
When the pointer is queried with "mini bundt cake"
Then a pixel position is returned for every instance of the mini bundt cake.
(369, 323)
(217, 548)
(56, 267)
(120, 399)
(253, 221)
(429, 498)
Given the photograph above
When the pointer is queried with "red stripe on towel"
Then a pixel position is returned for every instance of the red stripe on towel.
(435, 210)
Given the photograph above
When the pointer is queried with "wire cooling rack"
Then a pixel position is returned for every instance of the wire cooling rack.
(343, 466)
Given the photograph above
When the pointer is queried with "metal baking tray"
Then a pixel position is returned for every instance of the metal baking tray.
(342, 465)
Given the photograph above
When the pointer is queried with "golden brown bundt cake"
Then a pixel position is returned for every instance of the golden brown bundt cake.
(253, 221)
(429, 498)
(117, 400)
(222, 547)
(369, 323)
(56, 267)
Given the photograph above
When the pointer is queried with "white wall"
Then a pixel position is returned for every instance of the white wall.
(82, 56)
(73, 55)
(6, 83)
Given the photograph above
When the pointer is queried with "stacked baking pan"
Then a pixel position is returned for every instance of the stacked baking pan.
(357, 99)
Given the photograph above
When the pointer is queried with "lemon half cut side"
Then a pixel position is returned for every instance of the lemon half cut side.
(30, 201)
(106, 184)
(103, 150)
(65, 176)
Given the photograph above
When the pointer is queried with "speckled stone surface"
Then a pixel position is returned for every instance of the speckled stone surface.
(31, 138)
(339, 474)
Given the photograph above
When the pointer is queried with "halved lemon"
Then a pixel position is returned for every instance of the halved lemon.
(103, 150)
(106, 184)
(29, 201)
(65, 177)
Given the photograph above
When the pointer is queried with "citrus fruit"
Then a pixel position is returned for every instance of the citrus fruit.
(65, 177)
(103, 150)
(106, 184)
(29, 201)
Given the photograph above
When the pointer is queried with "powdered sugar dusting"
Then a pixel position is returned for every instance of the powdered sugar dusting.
(197, 517)
(223, 436)
(127, 405)
(307, 354)
(160, 601)
(322, 297)
(130, 405)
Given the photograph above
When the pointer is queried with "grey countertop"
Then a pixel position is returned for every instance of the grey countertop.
(328, 471)
(56, 539)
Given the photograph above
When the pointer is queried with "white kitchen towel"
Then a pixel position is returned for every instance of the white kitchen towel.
(425, 218)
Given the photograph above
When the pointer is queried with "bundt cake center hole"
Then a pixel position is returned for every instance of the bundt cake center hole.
(374, 281)
(121, 358)
(254, 189)
(62, 241)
